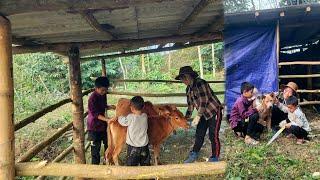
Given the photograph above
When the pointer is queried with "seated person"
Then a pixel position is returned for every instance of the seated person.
(277, 115)
(244, 118)
(297, 124)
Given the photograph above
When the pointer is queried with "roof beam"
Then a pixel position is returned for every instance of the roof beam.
(92, 21)
(24, 41)
(10, 7)
(192, 16)
(149, 50)
(118, 44)
(214, 26)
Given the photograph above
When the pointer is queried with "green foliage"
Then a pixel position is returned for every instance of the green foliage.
(39, 80)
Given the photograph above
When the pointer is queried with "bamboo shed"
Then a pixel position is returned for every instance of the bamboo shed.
(297, 31)
(93, 30)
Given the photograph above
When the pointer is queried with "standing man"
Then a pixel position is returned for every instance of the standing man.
(201, 97)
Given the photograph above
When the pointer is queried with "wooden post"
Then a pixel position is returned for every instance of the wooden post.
(200, 62)
(278, 50)
(6, 102)
(104, 70)
(309, 82)
(213, 62)
(77, 105)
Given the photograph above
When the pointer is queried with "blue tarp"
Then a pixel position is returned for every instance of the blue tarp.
(250, 55)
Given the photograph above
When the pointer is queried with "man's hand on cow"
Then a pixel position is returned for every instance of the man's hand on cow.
(195, 121)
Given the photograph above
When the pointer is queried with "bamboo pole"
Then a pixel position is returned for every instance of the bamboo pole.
(6, 102)
(120, 172)
(299, 76)
(104, 70)
(309, 103)
(158, 81)
(309, 82)
(154, 95)
(40, 113)
(43, 144)
(308, 91)
(44, 111)
(278, 50)
(77, 105)
(300, 63)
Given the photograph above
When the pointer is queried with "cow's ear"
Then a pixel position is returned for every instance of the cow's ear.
(173, 107)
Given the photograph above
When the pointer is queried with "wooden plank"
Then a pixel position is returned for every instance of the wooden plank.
(61, 47)
(43, 144)
(154, 95)
(300, 63)
(10, 7)
(77, 105)
(133, 53)
(6, 102)
(193, 15)
(299, 76)
(120, 172)
(92, 21)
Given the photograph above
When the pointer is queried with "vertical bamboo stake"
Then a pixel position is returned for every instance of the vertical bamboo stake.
(213, 63)
(77, 105)
(200, 62)
(6, 102)
(309, 82)
(278, 50)
(104, 70)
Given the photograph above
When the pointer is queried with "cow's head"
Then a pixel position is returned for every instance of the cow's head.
(177, 119)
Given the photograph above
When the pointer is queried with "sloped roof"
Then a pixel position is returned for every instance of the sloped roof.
(37, 24)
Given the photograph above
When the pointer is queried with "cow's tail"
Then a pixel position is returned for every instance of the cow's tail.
(109, 151)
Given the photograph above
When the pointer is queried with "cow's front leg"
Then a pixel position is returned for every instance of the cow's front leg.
(156, 154)
(115, 155)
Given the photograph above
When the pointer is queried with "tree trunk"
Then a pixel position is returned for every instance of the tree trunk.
(213, 62)
(169, 61)
(77, 105)
(200, 62)
(123, 72)
(143, 65)
(7, 170)
(104, 70)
